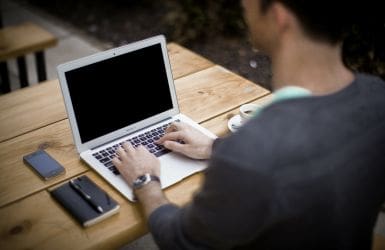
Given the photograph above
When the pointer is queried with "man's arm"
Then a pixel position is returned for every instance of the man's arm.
(220, 209)
(151, 197)
(134, 162)
(229, 210)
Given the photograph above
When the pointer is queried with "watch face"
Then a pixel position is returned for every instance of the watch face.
(140, 179)
(144, 179)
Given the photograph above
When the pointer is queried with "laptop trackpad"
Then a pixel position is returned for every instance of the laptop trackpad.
(175, 167)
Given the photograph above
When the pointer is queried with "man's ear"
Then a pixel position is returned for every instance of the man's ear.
(283, 17)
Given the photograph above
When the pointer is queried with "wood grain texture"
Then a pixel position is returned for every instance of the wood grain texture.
(214, 91)
(184, 62)
(30, 108)
(49, 226)
(218, 125)
(22, 39)
(17, 180)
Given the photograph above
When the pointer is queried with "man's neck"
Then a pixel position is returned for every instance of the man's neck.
(317, 67)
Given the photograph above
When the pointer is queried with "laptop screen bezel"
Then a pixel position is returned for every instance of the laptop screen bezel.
(104, 55)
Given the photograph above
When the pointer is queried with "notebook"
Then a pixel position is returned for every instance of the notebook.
(125, 94)
(85, 212)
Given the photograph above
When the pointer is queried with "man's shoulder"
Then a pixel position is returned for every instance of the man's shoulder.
(371, 86)
(254, 142)
(367, 78)
(293, 128)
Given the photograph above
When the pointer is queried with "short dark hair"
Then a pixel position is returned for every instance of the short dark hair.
(327, 20)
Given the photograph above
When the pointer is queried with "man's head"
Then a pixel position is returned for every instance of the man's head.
(321, 20)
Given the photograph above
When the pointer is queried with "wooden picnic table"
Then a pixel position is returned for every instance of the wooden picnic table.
(35, 117)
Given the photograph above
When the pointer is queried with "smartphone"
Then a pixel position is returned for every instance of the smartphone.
(43, 164)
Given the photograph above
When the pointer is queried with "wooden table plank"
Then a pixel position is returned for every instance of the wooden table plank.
(30, 108)
(214, 91)
(185, 62)
(218, 125)
(17, 180)
(49, 226)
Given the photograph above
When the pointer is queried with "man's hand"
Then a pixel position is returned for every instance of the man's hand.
(134, 162)
(182, 138)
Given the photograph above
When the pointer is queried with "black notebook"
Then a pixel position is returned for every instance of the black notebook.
(85, 201)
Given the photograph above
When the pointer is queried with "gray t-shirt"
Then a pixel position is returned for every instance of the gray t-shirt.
(306, 173)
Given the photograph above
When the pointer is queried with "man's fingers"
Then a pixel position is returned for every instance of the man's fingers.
(142, 148)
(116, 161)
(128, 147)
(121, 152)
(174, 146)
(172, 136)
(118, 164)
(175, 126)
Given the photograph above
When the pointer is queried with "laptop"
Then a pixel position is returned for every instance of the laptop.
(125, 94)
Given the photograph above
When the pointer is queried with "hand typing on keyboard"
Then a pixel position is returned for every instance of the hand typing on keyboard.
(177, 136)
(147, 139)
(133, 162)
(182, 138)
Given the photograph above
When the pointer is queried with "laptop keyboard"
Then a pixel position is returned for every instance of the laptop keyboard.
(146, 139)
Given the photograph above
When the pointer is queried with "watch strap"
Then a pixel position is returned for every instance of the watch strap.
(144, 180)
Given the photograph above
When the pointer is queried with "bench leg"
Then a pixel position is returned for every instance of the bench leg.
(5, 83)
(22, 67)
(40, 66)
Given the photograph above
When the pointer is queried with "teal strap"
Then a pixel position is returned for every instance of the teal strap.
(290, 92)
(285, 93)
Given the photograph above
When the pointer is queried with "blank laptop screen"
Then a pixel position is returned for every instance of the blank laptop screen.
(114, 93)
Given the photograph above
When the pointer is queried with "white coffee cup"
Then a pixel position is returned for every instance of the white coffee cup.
(246, 111)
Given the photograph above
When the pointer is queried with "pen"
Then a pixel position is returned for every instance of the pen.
(86, 196)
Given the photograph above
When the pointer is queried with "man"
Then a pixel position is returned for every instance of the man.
(306, 173)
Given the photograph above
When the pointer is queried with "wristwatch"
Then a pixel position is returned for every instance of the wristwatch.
(144, 180)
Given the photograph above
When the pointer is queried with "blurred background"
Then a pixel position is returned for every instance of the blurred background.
(214, 29)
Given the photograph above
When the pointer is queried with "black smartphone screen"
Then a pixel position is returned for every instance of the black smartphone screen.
(46, 166)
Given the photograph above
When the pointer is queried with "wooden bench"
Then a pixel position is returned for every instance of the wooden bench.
(16, 42)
